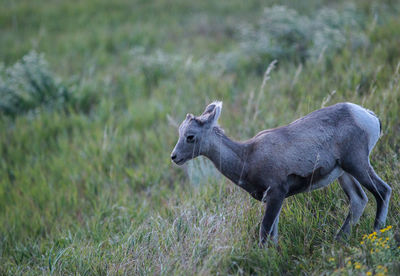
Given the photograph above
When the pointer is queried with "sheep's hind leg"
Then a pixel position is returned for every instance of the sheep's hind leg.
(357, 199)
(365, 174)
(382, 195)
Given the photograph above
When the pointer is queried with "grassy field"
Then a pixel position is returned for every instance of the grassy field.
(91, 93)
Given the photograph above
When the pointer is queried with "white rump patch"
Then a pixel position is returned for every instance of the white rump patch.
(367, 121)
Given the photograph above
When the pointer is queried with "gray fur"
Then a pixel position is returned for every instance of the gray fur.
(308, 154)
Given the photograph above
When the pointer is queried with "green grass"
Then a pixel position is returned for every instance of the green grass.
(89, 188)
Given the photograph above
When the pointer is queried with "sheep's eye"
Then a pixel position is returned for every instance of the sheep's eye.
(190, 138)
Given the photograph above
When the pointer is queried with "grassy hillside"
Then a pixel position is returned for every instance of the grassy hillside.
(91, 93)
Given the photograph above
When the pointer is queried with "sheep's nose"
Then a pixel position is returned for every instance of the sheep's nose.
(173, 156)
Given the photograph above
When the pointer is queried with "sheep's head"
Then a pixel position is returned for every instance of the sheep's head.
(194, 133)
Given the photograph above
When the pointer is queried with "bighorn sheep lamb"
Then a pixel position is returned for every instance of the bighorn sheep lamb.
(310, 153)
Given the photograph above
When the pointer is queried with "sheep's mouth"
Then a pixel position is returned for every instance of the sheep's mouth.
(180, 161)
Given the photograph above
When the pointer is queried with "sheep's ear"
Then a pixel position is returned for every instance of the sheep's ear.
(211, 114)
(189, 116)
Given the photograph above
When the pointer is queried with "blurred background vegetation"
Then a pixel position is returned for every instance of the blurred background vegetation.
(91, 93)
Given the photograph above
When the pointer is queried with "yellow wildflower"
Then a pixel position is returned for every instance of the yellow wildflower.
(357, 266)
(389, 227)
(369, 273)
(362, 242)
(331, 259)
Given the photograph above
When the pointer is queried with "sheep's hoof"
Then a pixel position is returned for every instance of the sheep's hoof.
(342, 236)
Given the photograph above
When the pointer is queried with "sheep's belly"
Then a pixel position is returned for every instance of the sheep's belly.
(327, 179)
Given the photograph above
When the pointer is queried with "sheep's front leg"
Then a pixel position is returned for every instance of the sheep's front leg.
(274, 200)
(274, 234)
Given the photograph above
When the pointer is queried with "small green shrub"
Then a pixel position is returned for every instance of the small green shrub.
(29, 85)
(284, 34)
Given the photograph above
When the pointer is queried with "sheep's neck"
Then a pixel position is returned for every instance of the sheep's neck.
(228, 156)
